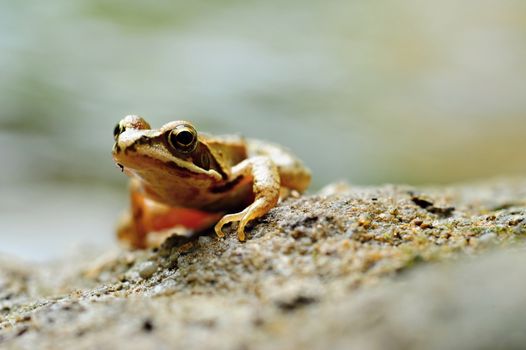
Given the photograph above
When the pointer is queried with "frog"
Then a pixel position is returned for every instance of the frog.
(182, 178)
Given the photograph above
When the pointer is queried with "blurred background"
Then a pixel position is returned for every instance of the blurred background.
(403, 91)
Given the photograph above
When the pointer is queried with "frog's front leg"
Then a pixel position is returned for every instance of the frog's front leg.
(265, 186)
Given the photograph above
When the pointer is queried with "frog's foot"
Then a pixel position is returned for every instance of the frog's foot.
(266, 187)
(255, 210)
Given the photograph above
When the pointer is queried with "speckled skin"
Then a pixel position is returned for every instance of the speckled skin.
(220, 175)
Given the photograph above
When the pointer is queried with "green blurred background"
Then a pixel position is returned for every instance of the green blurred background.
(369, 91)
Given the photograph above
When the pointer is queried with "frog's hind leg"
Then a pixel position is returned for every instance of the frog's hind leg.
(265, 186)
(149, 223)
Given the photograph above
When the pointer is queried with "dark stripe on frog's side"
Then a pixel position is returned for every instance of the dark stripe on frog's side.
(226, 186)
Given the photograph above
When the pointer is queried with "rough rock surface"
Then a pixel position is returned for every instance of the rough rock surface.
(390, 267)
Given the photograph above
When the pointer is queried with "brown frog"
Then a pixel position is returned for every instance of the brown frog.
(182, 178)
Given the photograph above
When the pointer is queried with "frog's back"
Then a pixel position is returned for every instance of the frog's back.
(232, 149)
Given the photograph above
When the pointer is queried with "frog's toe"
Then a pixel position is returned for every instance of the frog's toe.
(226, 220)
(219, 229)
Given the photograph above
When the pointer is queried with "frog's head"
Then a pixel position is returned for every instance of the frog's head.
(175, 149)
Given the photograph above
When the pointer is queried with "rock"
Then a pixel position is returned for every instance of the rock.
(147, 269)
(351, 267)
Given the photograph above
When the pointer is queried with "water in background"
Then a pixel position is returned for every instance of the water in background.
(387, 91)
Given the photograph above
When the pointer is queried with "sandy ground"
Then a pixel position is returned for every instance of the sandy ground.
(389, 267)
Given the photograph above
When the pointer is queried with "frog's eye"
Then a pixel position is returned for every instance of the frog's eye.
(183, 138)
(119, 129)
